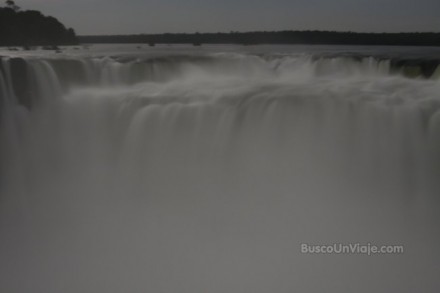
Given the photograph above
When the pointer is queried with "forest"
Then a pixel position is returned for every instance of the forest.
(31, 28)
(275, 37)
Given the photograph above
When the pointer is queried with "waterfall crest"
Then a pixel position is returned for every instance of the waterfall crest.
(206, 173)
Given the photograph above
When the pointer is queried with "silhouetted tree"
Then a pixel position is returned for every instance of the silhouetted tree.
(30, 28)
(11, 4)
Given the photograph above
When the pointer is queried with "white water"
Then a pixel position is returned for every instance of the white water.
(206, 173)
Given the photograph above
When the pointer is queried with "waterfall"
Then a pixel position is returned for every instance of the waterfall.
(206, 173)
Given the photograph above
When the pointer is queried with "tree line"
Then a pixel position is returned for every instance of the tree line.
(275, 37)
(31, 28)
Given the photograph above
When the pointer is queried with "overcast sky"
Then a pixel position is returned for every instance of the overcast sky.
(89, 17)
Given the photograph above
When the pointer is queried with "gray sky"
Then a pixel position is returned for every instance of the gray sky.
(159, 16)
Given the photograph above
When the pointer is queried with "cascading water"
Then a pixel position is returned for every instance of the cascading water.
(206, 173)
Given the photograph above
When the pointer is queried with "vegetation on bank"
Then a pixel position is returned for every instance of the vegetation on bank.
(32, 28)
(276, 37)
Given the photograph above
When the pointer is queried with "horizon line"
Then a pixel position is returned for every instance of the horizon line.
(258, 31)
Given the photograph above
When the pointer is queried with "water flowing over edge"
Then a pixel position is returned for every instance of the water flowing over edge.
(152, 172)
